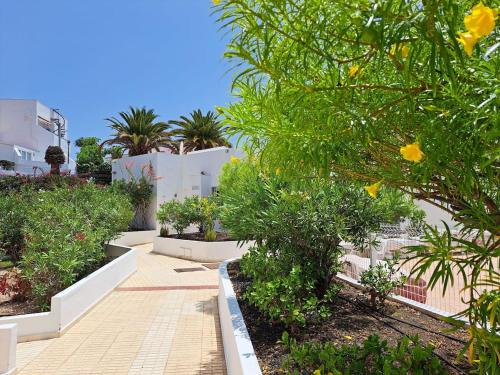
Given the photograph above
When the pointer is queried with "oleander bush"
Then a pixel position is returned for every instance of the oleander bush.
(63, 233)
(397, 93)
(373, 356)
(298, 226)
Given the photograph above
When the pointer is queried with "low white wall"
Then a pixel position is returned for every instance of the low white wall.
(238, 349)
(200, 251)
(8, 341)
(73, 302)
(136, 238)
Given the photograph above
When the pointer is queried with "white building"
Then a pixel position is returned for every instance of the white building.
(27, 128)
(177, 176)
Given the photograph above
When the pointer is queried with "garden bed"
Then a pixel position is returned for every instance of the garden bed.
(352, 321)
(73, 302)
(199, 236)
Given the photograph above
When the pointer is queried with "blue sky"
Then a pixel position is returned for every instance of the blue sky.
(93, 58)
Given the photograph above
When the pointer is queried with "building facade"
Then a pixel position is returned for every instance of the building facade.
(27, 128)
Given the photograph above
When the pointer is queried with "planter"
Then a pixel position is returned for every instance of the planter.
(238, 349)
(200, 251)
(136, 238)
(73, 302)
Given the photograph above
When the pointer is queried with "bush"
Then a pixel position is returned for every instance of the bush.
(13, 209)
(64, 232)
(7, 165)
(192, 211)
(381, 279)
(54, 155)
(173, 213)
(299, 227)
(374, 356)
(43, 182)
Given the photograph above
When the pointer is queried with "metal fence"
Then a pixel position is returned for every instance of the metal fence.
(395, 238)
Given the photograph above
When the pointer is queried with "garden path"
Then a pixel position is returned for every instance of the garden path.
(157, 322)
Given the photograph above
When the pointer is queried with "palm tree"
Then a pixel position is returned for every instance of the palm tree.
(200, 131)
(137, 131)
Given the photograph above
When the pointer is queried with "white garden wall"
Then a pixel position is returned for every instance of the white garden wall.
(72, 303)
(238, 349)
(200, 251)
(8, 341)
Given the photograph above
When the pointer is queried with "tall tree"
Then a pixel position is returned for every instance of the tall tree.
(138, 131)
(200, 132)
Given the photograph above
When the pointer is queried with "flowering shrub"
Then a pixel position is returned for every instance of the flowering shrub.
(62, 233)
(373, 91)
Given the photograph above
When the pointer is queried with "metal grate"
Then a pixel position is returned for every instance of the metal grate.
(189, 269)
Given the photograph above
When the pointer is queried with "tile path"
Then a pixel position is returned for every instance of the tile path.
(156, 322)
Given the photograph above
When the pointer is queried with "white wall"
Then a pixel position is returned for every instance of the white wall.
(435, 216)
(178, 176)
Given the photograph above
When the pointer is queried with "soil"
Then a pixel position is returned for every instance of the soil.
(352, 321)
(197, 236)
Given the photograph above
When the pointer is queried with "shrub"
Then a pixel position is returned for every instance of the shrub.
(299, 227)
(43, 182)
(382, 279)
(65, 231)
(372, 91)
(192, 211)
(7, 165)
(374, 356)
(54, 155)
(173, 213)
(13, 209)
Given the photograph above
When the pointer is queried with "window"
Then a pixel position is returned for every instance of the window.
(26, 155)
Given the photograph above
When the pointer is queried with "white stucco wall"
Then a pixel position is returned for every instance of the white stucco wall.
(435, 216)
(178, 176)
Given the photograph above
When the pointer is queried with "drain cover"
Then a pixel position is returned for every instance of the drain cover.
(211, 266)
(189, 269)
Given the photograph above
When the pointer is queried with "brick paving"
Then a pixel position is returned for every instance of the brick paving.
(157, 322)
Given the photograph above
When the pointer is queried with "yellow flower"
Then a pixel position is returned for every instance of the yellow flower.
(234, 159)
(469, 41)
(372, 191)
(355, 69)
(348, 337)
(401, 49)
(481, 21)
(412, 152)
(317, 372)
(216, 2)
(277, 171)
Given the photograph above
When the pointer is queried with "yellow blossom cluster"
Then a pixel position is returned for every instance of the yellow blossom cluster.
(479, 23)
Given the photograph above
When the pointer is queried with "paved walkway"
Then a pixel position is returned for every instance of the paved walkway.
(154, 323)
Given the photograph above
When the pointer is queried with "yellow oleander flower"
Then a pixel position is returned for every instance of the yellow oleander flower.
(355, 69)
(412, 152)
(402, 49)
(348, 337)
(234, 159)
(317, 372)
(216, 2)
(481, 21)
(469, 41)
(277, 171)
(372, 190)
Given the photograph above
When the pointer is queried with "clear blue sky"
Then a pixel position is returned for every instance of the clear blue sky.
(93, 58)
